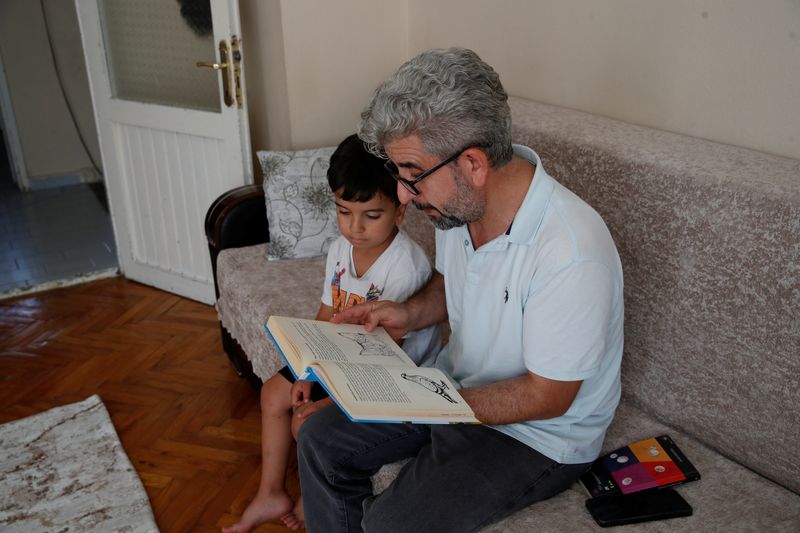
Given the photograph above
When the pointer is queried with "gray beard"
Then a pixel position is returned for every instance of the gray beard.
(446, 222)
(464, 208)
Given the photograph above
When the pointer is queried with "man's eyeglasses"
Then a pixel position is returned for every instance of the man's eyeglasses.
(411, 185)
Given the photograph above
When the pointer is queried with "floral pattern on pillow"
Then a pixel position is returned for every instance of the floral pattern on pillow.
(300, 206)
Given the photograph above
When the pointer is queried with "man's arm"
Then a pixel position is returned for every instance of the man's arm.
(425, 308)
(528, 397)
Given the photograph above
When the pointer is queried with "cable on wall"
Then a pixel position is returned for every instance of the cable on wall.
(64, 93)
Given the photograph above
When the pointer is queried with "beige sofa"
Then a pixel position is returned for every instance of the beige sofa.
(709, 237)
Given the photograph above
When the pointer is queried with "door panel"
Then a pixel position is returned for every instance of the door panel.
(167, 176)
(167, 152)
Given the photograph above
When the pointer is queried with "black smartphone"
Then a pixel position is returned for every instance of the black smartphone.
(657, 504)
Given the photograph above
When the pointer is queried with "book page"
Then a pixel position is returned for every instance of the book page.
(323, 341)
(364, 388)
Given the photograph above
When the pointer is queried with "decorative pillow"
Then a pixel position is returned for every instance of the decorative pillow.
(300, 206)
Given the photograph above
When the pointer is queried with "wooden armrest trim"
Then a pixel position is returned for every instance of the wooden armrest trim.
(223, 205)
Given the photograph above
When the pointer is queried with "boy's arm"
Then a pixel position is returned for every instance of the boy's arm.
(302, 413)
(325, 313)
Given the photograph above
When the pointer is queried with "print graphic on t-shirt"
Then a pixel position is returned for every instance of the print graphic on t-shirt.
(438, 387)
(337, 276)
(341, 299)
(370, 344)
(373, 293)
(336, 289)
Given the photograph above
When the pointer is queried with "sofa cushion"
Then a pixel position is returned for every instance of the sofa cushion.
(728, 496)
(708, 237)
(300, 208)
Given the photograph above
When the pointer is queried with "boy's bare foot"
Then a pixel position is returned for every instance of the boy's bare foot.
(262, 508)
(295, 519)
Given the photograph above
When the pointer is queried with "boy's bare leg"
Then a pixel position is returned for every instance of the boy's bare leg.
(271, 501)
(295, 519)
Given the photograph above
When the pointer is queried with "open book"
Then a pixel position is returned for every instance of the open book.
(366, 373)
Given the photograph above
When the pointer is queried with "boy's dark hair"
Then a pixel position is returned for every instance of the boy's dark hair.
(359, 174)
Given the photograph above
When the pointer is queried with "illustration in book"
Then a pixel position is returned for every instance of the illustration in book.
(370, 344)
(438, 387)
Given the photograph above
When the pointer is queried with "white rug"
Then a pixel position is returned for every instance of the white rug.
(65, 470)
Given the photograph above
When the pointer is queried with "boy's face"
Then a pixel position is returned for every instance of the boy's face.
(369, 224)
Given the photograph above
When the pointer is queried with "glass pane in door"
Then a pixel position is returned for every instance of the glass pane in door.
(152, 48)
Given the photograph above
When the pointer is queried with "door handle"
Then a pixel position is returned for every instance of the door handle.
(215, 66)
(222, 66)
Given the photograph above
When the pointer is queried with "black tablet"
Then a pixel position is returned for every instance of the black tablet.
(617, 510)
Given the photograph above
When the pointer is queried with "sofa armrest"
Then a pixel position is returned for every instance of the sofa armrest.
(237, 218)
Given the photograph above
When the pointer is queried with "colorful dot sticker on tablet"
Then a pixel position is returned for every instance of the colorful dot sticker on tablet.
(642, 465)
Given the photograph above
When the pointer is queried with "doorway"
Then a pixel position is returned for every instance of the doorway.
(52, 237)
(59, 231)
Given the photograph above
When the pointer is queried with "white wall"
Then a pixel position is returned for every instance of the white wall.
(334, 54)
(267, 91)
(725, 70)
(62, 19)
(49, 138)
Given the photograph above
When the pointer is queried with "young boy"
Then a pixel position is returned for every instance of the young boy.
(373, 259)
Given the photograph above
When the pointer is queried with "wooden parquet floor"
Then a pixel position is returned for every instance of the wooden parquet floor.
(190, 426)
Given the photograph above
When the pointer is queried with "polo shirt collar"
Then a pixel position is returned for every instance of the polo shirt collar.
(530, 214)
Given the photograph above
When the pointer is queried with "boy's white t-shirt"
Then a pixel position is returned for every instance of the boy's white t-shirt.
(400, 271)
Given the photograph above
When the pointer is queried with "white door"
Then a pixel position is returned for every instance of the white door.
(173, 134)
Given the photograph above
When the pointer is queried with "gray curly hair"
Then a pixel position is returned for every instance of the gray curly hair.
(449, 98)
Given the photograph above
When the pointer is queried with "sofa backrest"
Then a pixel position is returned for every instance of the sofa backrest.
(709, 237)
(418, 227)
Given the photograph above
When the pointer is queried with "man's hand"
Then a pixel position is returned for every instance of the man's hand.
(301, 393)
(392, 316)
(425, 308)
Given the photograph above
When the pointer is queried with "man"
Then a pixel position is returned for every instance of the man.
(530, 281)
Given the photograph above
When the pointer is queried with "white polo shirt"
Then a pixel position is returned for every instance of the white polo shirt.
(545, 297)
